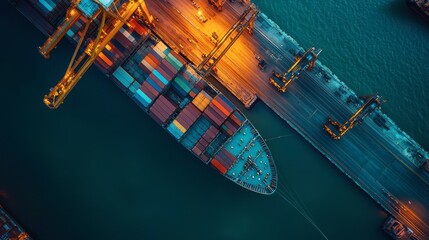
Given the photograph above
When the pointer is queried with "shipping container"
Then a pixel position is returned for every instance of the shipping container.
(215, 163)
(164, 107)
(155, 83)
(195, 132)
(134, 86)
(123, 77)
(149, 90)
(174, 131)
(161, 77)
(139, 27)
(142, 99)
(167, 67)
(202, 100)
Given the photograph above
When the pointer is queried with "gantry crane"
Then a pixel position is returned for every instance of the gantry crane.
(79, 64)
(244, 22)
(372, 102)
(306, 62)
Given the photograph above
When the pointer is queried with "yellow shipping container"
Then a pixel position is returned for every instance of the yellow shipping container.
(179, 126)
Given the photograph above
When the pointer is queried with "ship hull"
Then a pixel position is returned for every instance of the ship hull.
(417, 8)
(171, 91)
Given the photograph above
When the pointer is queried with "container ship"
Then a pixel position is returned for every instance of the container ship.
(420, 6)
(172, 91)
(9, 229)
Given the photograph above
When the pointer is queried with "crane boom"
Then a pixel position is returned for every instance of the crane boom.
(71, 18)
(306, 61)
(58, 93)
(241, 24)
(243, 27)
(371, 103)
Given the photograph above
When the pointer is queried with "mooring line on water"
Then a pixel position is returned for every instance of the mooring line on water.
(293, 194)
(295, 203)
(305, 216)
(278, 137)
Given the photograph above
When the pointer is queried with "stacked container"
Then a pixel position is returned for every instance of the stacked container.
(157, 80)
(205, 140)
(47, 6)
(184, 120)
(195, 132)
(223, 161)
(121, 44)
(202, 100)
(233, 123)
(218, 110)
(123, 77)
(162, 109)
(74, 32)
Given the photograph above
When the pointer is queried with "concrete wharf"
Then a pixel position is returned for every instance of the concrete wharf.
(386, 164)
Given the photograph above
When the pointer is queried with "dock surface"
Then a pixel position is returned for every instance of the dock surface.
(384, 163)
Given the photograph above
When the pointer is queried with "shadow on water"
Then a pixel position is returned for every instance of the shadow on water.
(399, 10)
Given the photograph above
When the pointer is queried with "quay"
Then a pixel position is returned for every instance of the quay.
(383, 160)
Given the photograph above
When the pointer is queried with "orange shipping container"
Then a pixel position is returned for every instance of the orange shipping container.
(105, 59)
(220, 107)
(235, 119)
(218, 166)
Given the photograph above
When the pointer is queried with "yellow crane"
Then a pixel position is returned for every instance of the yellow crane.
(306, 61)
(372, 102)
(244, 22)
(90, 9)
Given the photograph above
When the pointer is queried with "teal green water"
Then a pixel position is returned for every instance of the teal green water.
(100, 168)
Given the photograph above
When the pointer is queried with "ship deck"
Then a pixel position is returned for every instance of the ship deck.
(254, 168)
(380, 161)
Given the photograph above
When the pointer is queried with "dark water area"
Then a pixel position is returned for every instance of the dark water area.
(100, 168)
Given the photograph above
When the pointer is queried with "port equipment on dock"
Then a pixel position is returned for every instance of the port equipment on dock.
(396, 229)
(243, 23)
(305, 62)
(107, 29)
(378, 156)
(218, 4)
(372, 102)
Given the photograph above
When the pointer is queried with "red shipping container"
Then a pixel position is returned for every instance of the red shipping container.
(154, 58)
(220, 100)
(150, 62)
(221, 109)
(218, 166)
(140, 29)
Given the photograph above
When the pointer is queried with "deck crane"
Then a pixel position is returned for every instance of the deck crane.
(372, 102)
(306, 62)
(83, 58)
(244, 22)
